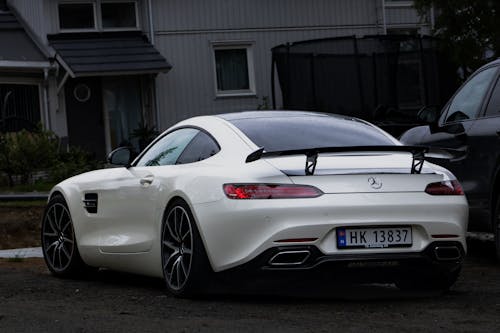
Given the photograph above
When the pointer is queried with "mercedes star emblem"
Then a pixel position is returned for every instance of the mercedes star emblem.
(375, 183)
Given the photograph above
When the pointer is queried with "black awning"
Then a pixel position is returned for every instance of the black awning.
(96, 54)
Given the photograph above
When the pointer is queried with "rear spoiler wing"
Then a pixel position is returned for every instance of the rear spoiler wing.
(418, 153)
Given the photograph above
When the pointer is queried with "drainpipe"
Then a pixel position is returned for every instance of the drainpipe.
(433, 19)
(154, 90)
(46, 101)
(384, 20)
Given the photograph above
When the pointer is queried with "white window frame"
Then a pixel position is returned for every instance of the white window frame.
(44, 112)
(235, 45)
(77, 3)
(392, 3)
(96, 4)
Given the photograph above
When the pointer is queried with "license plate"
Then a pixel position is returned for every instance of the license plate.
(378, 237)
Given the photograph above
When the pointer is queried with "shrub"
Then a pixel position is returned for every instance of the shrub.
(71, 163)
(24, 153)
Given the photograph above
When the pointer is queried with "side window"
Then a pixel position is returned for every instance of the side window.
(169, 148)
(200, 148)
(467, 102)
(493, 108)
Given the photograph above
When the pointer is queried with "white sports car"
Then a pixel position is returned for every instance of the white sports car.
(263, 190)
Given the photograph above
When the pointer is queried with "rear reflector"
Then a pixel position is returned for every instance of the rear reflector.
(452, 187)
(296, 240)
(270, 191)
(444, 236)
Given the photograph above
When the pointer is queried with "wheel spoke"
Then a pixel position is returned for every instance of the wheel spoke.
(177, 268)
(50, 246)
(51, 223)
(59, 222)
(67, 224)
(179, 226)
(184, 271)
(66, 239)
(170, 245)
(56, 219)
(65, 252)
(60, 257)
(170, 258)
(170, 231)
(54, 257)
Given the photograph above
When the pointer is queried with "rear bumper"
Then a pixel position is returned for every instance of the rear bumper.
(368, 267)
(236, 232)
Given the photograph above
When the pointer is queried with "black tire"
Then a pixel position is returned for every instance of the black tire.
(441, 280)
(185, 264)
(59, 246)
(496, 226)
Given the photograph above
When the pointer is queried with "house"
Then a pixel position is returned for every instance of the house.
(108, 69)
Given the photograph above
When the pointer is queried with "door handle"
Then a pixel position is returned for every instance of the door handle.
(147, 180)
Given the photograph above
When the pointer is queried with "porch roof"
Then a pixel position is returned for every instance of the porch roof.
(98, 54)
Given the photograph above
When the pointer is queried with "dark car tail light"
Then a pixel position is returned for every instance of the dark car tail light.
(270, 191)
(450, 187)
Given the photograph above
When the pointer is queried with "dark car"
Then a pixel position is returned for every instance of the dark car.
(470, 124)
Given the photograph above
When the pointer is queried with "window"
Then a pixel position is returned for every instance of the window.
(493, 108)
(304, 132)
(467, 102)
(234, 70)
(118, 15)
(76, 16)
(168, 149)
(101, 15)
(200, 148)
(19, 107)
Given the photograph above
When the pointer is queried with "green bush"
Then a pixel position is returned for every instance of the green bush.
(72, 163)
(24, 153)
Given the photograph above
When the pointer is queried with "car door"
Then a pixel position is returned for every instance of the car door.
(456, 124)
(484, 155)
(130, 203)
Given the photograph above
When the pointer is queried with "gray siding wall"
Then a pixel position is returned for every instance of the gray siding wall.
(185, 29)
(43, 16)
(32, 12)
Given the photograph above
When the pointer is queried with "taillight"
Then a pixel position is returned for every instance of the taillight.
(450, 187)
(270, 191)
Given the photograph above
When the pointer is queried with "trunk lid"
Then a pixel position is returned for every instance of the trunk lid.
(358, 173)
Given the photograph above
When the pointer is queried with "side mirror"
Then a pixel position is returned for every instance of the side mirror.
(428, 114)
(121, 156)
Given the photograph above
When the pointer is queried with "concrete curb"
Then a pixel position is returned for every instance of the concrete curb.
(30, 252)
(24, 197)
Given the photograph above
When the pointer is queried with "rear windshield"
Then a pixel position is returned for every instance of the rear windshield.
(287, 133)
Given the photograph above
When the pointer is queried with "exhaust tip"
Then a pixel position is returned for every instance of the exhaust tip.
(288, 258)
(447, 253)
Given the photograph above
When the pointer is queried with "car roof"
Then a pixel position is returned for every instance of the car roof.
(276, 114)
(492, 63)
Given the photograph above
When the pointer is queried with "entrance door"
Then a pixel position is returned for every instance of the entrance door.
(123, 107)
(85, 115)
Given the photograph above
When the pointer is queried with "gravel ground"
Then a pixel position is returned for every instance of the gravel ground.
(33, 300)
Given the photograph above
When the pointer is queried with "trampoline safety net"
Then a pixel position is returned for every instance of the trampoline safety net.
(384, 79)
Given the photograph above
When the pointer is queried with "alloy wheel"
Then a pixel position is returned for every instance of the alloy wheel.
(58, 238)
(177, 247)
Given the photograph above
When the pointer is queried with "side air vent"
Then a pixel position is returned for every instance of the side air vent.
(90, 202)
